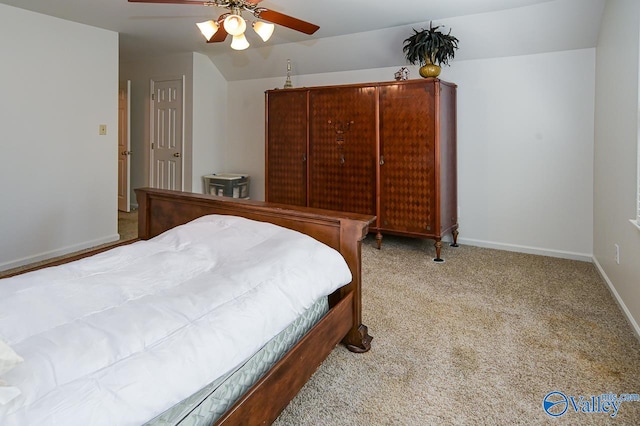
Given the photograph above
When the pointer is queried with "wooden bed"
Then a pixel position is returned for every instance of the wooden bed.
(160, 210)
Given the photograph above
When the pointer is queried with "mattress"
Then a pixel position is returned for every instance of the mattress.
(171, 314)
(211, 402)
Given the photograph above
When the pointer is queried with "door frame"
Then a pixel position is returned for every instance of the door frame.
(152, 111)
(126, 86)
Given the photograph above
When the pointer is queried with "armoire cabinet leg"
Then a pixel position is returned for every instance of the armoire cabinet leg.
(455, 238)
(379, 240)
(438, 245)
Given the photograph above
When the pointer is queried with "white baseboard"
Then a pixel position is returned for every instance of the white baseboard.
(612, 289)
(585, 257)
(59, 252)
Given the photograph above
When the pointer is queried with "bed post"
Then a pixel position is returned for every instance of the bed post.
(358, 339)
(143, 214)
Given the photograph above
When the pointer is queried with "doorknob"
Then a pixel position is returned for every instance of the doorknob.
(177, 154)
(127, 152)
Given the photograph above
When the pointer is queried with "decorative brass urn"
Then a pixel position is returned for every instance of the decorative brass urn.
(429, 69)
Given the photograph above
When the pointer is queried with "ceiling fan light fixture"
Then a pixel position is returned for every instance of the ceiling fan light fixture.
(239, 42)
(232, 23)
(263, 29)
(208, 28)
(235, 25)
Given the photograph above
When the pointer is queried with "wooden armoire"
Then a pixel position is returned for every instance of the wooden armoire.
(386, 149)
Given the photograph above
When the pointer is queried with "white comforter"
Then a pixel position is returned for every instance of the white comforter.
(117, 338)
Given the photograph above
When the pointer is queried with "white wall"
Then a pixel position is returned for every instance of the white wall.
(525, 146)
(616, 145)
(59, 177)
(209, 120)
(525, 152)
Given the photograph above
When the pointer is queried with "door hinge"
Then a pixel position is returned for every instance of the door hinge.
(153, 96)
(153, 145)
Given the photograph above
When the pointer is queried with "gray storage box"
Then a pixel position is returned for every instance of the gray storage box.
(234, 185)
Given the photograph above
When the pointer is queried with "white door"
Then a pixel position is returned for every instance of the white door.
(124, 145)
(167, 112)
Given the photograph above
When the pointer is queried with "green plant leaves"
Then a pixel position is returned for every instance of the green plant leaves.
(432, 44)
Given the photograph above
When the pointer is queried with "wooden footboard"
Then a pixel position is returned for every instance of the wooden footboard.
(160, 210)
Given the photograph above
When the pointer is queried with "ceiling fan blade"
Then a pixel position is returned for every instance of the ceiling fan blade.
(200, 3)
(219, 36)
(288, 21)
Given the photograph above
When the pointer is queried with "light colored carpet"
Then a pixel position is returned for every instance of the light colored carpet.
(479, 339)
(128, 225)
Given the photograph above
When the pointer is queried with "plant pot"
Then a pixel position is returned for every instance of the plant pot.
(429, 69)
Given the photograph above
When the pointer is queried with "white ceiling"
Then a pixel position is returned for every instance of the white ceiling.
(354, 34)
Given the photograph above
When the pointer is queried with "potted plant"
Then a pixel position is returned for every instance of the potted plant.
(430, 49)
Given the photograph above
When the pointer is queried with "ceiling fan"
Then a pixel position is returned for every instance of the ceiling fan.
(233, 23)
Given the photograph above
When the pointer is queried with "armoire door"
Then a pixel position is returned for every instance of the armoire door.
(407, 149)
(286, 146)
(342, 148)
